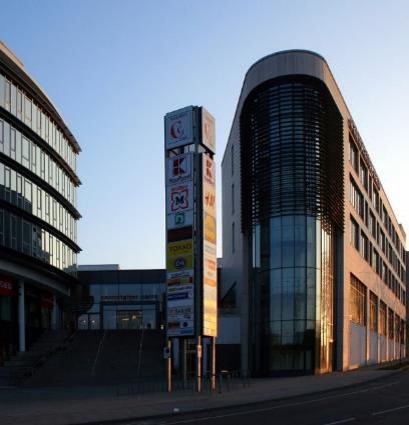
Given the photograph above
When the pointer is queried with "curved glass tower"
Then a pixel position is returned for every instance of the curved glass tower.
(291, 157)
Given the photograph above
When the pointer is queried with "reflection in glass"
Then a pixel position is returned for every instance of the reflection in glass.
(294, 282)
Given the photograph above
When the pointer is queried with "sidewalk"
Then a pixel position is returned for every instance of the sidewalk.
(78, 405)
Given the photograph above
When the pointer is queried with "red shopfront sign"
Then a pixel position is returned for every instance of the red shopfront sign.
(6, 287)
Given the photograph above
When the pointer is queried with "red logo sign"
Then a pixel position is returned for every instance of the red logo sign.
(209, 170)
(6, 288)
(176, 130)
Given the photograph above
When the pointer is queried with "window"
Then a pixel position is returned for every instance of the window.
(357, 301)
(373, 312)
(228, 304)
(232, 198)
(372, 224)
(356, 198)
(364, 246)
(382, 318)
(354, 234)
(363, 174)
(25, 152)
(390, 323)
(353, 155)
(232, 160)
(375, 200)
(233, 238)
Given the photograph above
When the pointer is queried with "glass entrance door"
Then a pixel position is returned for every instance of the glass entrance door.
(131, 319)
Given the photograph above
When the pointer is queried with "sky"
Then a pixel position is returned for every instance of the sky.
(114, 68)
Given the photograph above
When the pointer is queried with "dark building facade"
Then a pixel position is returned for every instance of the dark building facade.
(38, 215)
(311, 245)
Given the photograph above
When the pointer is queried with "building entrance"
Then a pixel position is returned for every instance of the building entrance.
(129, 319)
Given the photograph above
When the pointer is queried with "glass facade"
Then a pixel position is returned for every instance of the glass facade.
(123, 306)
(38, 215)
(293, 267)
(292, 208)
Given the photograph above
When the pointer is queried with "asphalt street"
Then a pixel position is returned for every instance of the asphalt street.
(382, 402)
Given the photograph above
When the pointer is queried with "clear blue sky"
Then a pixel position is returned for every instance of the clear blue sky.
(115, 67)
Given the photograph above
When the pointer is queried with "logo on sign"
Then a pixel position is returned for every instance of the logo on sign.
(210, 200)
(179, 169)
(176, 130)
(179, 128)
(209, 170)
(179, 199)
(180, 263)
(179, 219)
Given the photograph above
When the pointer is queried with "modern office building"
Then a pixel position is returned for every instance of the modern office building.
(111, 299)
(38, 215)
(313, 255)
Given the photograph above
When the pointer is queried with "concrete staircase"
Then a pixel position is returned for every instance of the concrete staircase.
(25, 364)
(105, 358)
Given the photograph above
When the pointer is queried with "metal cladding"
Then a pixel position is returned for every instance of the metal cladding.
(291, 136)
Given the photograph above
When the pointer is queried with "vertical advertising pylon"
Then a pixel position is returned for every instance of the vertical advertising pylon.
(191, 257)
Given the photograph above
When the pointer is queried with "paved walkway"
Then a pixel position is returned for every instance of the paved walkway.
(79, 405)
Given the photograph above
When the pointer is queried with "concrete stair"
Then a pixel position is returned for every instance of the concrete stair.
(105, 358)
(24, 364)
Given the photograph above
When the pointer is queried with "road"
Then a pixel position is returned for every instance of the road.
(381, 402)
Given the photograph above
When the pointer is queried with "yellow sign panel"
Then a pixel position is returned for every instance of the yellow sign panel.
(180, 262)
(210, 228)
(179, 256)
(180, 248)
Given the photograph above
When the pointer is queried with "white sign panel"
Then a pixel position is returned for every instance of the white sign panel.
(179, 169)
(179, 219)
(179, 198)
(180, 320)
(179, 128)
(208, 131)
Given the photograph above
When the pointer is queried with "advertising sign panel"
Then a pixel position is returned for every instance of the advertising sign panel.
(179, 198)
(209, 248)
(179, 219)
(180, 284)
(179, 128)
(180, 320)
(179, 169)
(180, 234)
(208, 131)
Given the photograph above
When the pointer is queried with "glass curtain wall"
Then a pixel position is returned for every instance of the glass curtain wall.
(292, 208)
(293, 269)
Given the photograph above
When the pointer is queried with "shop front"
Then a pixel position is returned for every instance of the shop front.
(8, 318)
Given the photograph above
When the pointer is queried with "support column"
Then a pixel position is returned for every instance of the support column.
(21, 317)
(199, 364)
